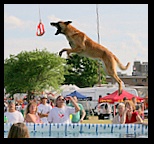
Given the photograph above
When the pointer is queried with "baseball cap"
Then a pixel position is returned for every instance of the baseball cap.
(44, 96)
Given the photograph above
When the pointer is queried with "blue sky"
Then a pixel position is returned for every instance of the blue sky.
(123, 28)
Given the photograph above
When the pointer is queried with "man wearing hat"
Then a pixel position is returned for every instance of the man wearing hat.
(12, 114)
(44, 109)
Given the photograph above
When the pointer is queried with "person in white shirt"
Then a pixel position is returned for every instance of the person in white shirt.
(12, 114)
(44, 109)
(61, 112)
(118, 119)
(5, 107)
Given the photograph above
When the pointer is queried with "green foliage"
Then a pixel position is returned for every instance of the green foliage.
(83, 72)
(33, 71)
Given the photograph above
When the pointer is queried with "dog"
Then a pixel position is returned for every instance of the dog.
(81, 44)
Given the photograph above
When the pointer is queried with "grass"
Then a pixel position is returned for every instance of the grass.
(94, 120)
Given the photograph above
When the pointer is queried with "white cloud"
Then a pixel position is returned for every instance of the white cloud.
(13, 22)
(53, 18)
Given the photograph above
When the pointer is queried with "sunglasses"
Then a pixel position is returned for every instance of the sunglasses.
(10, 101)
(61, 99)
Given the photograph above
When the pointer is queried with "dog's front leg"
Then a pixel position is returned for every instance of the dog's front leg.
(63, 50)
(74, 50)
(69, 51)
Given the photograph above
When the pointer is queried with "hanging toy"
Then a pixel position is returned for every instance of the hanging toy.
(40, 27)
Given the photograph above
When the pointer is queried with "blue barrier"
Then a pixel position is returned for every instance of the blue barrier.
(47, 129)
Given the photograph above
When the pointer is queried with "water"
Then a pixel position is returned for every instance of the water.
(84, 130)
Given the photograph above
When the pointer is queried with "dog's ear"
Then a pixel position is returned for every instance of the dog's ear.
(68, 22)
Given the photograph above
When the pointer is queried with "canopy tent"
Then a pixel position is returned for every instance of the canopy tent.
(114, 97)
(69, 87)
(77, 94)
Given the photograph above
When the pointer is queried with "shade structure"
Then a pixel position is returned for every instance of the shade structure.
(114, 97)
(77, 94)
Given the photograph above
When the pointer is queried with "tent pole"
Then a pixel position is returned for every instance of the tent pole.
(114, 110)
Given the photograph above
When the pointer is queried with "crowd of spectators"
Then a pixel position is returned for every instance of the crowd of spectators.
(65, 110)
(61, 110)
(129, 112)
(44, 110)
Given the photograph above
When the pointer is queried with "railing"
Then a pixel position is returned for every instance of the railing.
(94, 128)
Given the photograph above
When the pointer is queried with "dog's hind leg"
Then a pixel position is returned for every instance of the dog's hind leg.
(119, 81)
(110, 65)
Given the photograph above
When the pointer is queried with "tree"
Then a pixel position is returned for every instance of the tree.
(33, 71)
(83, 72)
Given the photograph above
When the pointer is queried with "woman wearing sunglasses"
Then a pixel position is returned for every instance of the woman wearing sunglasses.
(61, 112)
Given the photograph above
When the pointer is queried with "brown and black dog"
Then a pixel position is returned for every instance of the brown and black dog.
(81, 44)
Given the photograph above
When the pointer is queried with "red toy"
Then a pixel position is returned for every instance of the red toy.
(40, 29)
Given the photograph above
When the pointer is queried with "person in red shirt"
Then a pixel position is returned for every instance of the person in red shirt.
(130, 116)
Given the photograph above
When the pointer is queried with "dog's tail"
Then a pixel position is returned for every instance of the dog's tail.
(121, 66)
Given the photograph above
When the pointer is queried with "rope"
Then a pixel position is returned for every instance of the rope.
(39, 13)
(40, 27)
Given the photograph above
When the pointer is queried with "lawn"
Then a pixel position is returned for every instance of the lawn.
(94, 120)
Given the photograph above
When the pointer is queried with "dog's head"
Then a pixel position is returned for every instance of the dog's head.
(61, 26)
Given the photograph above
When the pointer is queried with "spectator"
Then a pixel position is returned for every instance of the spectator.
(140, 111)
(18, 107)
(18, 130)
(134, 100)
(25, 102)
(44, 109)
(124, 99)
(61, 113)
(100, 96)
(52, 103)
(118, 119)
(106, 109)
(12, 114)
(31, 113)
(130, 116)
(22, 108)
(76, 117)
(38, 101)
(48, 101)
(142, 106)
(5, 107)
(31, 100)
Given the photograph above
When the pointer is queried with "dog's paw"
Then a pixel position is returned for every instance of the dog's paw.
(60, 53)
(69, 57)
(119, 93)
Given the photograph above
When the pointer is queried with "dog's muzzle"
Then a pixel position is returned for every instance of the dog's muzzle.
(57, 26)
(53, 24)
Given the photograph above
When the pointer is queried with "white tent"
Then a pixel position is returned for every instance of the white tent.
(69, 87)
